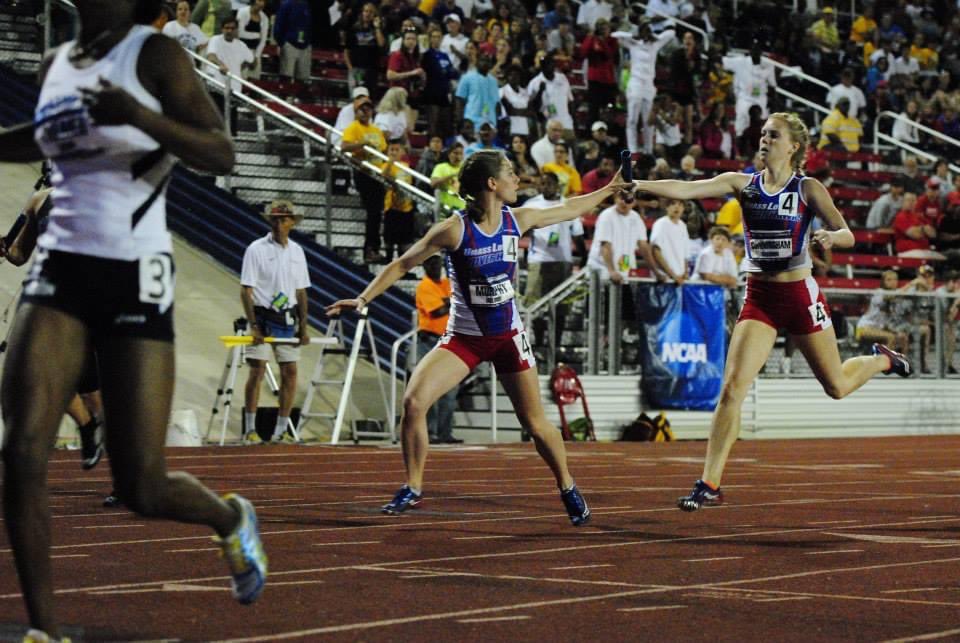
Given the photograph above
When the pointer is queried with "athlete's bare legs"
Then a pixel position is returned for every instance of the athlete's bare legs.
(838, 380)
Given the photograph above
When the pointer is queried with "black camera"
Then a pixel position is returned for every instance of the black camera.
(240, 325)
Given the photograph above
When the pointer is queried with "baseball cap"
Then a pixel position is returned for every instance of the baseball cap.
(933, 183)
(926, 269)
(827, 10)
(360, 91)
(451, 16)
(598, 125)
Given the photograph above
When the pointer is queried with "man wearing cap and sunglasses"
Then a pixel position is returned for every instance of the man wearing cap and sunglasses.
(274, 282)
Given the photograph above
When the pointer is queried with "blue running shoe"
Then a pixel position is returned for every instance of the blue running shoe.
(405, 499)
(701, 495)
(244, 553)
(576, 506)
(898, 363)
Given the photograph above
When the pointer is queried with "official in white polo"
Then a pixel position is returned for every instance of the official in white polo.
(273, 284)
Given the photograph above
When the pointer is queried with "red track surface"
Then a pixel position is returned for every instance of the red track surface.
(819, 540)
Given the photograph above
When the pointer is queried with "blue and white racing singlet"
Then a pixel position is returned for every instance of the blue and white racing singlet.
(776, 227)
(481, 270)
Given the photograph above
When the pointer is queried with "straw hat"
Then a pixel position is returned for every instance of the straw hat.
(280, 208)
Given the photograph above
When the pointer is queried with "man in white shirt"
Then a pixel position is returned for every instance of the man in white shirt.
(641, 89)
(231, 56)
(229, 53)
(846, 89)
(620, 232)
(669, 238)
(454, 43)
(543, 150)
(347, 114)
(273, 281)
(550, 256)
(553, 89)
(885, 208)
(752, 77)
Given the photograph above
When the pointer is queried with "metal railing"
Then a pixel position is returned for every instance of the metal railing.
(877, 136)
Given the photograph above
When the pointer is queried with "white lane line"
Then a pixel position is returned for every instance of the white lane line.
(483, 537)
(783, 599)
(832, 551)
(831, 522)
(579, 549)
(938, 546)
(932, 636)
(493, 619)
(70, 556)
(707, 560)
(651, 608)
(915, 589)
(583, 566)
(123, 526)
(393, 522)
(355, 542)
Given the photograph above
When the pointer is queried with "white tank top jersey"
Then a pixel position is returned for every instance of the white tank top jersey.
(109, 182)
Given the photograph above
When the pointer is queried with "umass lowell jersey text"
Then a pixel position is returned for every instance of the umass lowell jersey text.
(776, 227)
(481, 271)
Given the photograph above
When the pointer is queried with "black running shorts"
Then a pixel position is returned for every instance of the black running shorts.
(113, 298)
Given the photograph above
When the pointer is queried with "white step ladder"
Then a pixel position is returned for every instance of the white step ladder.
(335, 339)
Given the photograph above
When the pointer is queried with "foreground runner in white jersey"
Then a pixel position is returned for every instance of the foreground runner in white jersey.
(115, 107)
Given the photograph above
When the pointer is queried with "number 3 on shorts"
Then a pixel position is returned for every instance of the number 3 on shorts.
(156, 281)
(819, 315)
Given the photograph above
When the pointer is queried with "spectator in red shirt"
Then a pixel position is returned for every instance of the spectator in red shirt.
(601, 52)
(929, 202)
(912, 231)
(403, 67)
(600, 176)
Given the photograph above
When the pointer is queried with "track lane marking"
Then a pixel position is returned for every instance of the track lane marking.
(651, 608)
(832, 551)
(925, 637)
(395, 522)
(708, 560)
(582, 566)
(493, 619)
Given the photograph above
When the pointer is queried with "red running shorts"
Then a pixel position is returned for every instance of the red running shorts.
(509, 352)
(795, 306)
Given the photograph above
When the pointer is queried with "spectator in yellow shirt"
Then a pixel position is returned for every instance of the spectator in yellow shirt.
(840, 131)
(824, 32)
(730, 216)
(398, 207)
(927, 58)
(863, 25)
(358, 134)
(570, 182)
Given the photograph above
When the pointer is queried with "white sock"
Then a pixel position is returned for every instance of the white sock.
(416, 491)
(280, 428)
(249, 422)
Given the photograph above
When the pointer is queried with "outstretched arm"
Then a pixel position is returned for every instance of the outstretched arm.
(443, 236)
(528, 218)
(720, 185)
(836, 234)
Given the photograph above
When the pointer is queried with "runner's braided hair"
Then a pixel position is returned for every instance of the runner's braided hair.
(474, 173)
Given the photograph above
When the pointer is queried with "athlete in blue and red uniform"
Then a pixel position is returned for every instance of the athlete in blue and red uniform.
(482, 245)
(778, 205)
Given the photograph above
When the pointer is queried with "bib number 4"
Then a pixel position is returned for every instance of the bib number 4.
(156, 281)
(818, 313)
(511, 246)
(524, 350)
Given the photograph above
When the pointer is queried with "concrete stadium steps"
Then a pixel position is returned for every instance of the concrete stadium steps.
(20, 37)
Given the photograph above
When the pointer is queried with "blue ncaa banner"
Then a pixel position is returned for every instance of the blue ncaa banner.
(685, 347)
